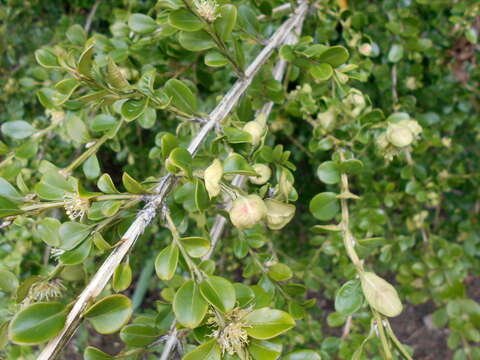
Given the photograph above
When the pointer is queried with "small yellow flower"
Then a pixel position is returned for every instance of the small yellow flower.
(45, 291)
(232, 337)
(75, 206)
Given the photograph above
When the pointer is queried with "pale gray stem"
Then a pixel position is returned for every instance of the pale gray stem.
(238, 181)
(106, 270)
(91, 15)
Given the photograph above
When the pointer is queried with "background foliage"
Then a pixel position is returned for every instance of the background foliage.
(379, 105)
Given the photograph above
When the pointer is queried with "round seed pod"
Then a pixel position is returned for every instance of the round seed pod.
(256, 130)
(264, 173)
(247, 211)
(279, 214)
(399, 135)
(212, 176)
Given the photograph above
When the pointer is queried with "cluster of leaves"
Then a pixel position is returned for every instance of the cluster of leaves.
(370, 136)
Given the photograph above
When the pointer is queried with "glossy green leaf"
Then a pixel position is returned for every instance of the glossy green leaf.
(47, 58)
(264, 350)
(92, 353)
(72, 234)
(202, 200)
(182, 97)
(168, 142)
(142, 24)
(109, 314)
(166, 262)
(215, 59)
(77, 255)
(226, 21)
(76, 35)
(266, 323)
(219, 292)
(103, 123)
(8, 207)
(132, 185)
(244, 294)
(334, 55)
(37, 323)
(321, 72)
(8, 191)
(8, 281)
(324, 206)
(349, 298)
(195, 246)
(279, 272)
(53, 186)
(84, 66)
(138, 335)
(91, 167)
(237, 164)
(105, 184)
(76, 129)
(133, 108)
(179, 160)
(185, 20)
(122, 277)
(196, 41)
(209, 350)
(17, 129)
(303, 355)
(189, 306)
(328, 172)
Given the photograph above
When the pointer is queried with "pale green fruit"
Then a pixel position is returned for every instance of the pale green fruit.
(380, 294)
(413, 125)
(256, 130)
(263, 172)
(399, 135)
(212, 176)
(279, 214)
(247, 211)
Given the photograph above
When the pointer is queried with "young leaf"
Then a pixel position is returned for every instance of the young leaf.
(133, 108)
(105, 184)
(185, 20)
(196, 246)
(132, 185)
(349, 298)
(122, 277)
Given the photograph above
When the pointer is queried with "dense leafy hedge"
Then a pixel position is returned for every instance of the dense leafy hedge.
(359, 185)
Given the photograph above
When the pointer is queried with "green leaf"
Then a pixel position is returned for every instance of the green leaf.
(324, 206)
(72, 234)
(182, 97)
(109, 314)
(247, 19)
(209, 350)
(46, 58)
(133, 108)
(76, 35)
(148, 118)
(92, 353)
(184, 19)
(334, 55)
(202, 200)
(8, 191)
(303, 355)
(37, 323)
(189, 306)
(138, 335)
(237, 136)
(196, 41)
(8, 281)
(380, 294)
(166, 262)
(266, 323)
(219, 292)
(215, 59)
(91, 167)
(85, 61)
(8, 207)
(53, 186)
(351, 166)
(195, 246)
(279, 272)
(76, 129)
(168, 142)
(244, 294)
(179, 160)
(328, 172)
(236, 164)
(103, 123)
(77, 255)
(142, 24)
(264, 350)
(321, 72)
(17, 129)
(132, 185)
(349, 298)
(115, 77)
(396, 53)
(225, 23)
(105, 184)
(122, 277)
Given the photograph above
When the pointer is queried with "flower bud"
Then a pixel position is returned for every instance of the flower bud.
(263, 172)
(247, 211)
(380, 294)
(212, 176)
(279, 214)
(256, 130)
(399, 135)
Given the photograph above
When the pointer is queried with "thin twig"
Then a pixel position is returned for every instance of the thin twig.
(106, 270)
(91, 15)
